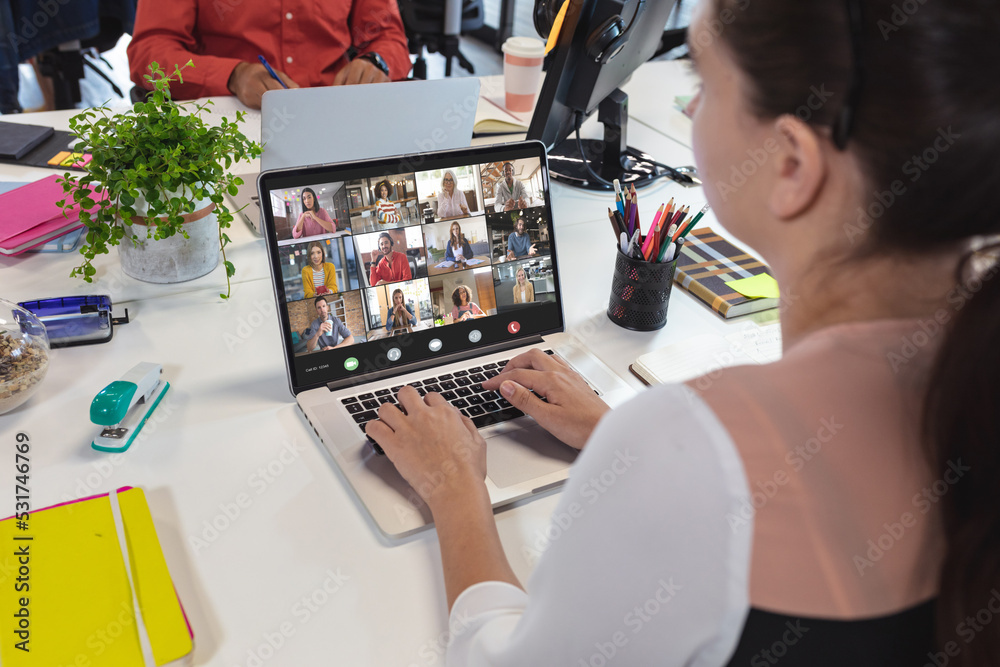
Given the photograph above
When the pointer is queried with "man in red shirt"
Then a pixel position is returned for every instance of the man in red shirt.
(305, 42)
(387, 265)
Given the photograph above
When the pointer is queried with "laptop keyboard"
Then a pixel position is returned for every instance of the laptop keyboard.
(463, 389)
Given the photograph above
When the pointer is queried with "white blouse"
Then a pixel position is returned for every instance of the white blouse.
(643, 563)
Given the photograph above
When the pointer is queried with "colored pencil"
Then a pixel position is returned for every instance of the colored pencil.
(647, 246)
(695, 221)
(614, 224)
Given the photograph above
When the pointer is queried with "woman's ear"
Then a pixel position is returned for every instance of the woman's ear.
(800, 168)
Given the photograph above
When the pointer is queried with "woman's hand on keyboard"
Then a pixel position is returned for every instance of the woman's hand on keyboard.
(436, 449)
(571, 408)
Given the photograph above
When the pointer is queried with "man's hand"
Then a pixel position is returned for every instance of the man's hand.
(249, 82)
(572, 409)
(532, 251)
(326, 327)
(359, 70)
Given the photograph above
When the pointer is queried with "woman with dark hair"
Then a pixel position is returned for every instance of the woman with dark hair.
(839, 506)
(400, 315)
(314, 220)
(459, 250)
(387, 265)
(385, 208)
(465, 308)
(318, 276)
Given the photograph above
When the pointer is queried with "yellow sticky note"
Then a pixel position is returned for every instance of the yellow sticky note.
(759, 286)
(57, 159)
(556, 28)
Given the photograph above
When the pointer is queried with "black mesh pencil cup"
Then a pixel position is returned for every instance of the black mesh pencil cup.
(640, 292)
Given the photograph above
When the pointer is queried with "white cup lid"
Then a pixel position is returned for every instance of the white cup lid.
(525, 47)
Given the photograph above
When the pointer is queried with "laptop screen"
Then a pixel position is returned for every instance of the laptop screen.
(388, 265)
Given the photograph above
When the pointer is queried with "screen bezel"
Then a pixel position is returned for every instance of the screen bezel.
(415, 162)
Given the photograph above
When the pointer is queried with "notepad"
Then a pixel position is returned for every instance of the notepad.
(79, 595)
(700, 355)
(491, 115)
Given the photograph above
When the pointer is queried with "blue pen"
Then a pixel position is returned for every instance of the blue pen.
(263, 61)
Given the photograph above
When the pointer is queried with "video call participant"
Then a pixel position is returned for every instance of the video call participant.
(459, 250)
(464, 308)
(306, 46)
(385, 208)
(451, 202)
(519, 243)
(509, 192)
(524, 291)
(318, 276)
(387, 265)
(326, 331)
(314, 220)
(400, 315)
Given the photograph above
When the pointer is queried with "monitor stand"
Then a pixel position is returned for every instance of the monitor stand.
(610, 158)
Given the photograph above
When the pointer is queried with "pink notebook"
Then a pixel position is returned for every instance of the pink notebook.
(31, 217)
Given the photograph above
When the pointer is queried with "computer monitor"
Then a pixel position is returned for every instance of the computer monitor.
(600, 44)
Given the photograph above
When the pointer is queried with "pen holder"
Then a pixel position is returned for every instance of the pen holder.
(640, 293)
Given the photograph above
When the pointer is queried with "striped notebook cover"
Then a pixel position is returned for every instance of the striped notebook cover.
(707, 262)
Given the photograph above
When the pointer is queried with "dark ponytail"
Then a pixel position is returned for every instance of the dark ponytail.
(926, 132)
(962, 433)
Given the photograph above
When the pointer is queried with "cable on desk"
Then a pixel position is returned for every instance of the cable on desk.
(667, 169)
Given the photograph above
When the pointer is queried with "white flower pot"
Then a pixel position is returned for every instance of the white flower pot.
(175, 259)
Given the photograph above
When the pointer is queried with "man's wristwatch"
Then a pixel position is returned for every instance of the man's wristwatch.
(377, 60)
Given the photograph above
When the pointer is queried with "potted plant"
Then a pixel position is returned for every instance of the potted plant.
(154, 185)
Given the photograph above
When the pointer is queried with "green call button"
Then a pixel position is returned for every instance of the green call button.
(351, 363)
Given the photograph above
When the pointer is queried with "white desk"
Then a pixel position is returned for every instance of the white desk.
(652, 89)
(228, 431)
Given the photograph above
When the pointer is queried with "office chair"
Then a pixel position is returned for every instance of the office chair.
(436, 26)
(65, 63)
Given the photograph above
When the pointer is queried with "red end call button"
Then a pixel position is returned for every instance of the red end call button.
(514, 327)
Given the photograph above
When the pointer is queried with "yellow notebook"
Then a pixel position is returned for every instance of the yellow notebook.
(66, 595)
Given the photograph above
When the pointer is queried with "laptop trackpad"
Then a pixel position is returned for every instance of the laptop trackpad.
(522, 454)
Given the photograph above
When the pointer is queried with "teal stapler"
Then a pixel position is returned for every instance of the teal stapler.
(124, 406)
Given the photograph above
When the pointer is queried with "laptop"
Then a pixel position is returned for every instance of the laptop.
(303, 126)
(371, 298)
(309, 126)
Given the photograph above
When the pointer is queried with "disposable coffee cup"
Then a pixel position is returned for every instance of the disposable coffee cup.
(522, 69)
